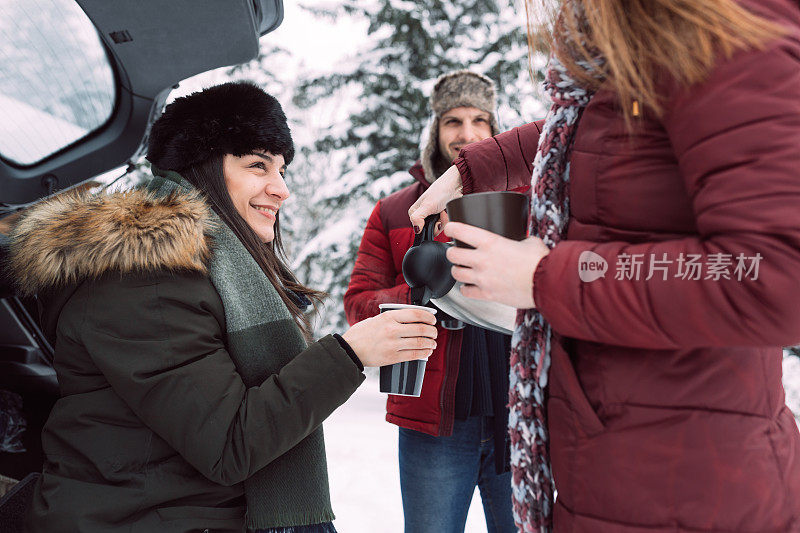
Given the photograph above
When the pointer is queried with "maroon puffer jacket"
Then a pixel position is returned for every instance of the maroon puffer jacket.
(378, 278)
(666, 409)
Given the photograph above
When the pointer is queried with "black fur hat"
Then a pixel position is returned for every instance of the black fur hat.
(232, 118)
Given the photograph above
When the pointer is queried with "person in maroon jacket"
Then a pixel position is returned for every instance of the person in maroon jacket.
(454, 435)
(662, 279)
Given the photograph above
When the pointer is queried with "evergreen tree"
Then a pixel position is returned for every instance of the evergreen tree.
(381, 96)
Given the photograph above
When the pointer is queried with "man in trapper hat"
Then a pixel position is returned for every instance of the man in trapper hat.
(454, 435)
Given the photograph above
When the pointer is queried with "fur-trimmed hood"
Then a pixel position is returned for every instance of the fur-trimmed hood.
(73, 237)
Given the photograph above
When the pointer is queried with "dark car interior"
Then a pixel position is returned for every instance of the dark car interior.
(86, 80)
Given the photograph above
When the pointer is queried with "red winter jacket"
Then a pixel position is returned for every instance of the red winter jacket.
(666, 408)
(377, 278)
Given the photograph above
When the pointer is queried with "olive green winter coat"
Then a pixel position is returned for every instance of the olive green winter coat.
(155, 429)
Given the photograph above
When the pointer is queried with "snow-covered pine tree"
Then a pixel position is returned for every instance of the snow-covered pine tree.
(381, 99)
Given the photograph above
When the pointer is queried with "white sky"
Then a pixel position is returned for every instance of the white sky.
(316, 45)
(315, 41)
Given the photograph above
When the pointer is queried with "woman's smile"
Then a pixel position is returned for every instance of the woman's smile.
(267, 211)
(257, 189)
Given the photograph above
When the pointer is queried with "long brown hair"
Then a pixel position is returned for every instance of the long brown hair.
(209, 178)
(641, 39)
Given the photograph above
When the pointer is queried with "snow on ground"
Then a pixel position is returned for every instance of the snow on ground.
(362, 464)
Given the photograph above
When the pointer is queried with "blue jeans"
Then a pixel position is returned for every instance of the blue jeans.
(438, 477)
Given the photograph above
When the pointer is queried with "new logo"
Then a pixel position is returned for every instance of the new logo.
(591, 266)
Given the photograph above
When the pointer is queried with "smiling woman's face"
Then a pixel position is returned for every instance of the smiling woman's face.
(256, 187)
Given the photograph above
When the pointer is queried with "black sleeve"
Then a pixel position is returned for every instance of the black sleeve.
(349, 351)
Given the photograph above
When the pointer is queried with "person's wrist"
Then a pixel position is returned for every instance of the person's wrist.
(455, 179)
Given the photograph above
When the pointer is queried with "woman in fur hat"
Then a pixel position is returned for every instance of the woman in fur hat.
(191, 399)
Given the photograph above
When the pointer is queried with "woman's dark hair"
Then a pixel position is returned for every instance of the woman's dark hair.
(208, 176)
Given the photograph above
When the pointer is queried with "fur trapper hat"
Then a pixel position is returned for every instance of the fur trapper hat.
(460, 88)
(232, 118)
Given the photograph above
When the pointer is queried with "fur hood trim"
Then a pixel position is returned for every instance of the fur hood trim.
(73, 237)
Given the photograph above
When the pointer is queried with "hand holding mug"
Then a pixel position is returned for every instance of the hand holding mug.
(393, 337)
(497, 269)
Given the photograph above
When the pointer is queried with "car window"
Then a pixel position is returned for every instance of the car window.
(56, 83)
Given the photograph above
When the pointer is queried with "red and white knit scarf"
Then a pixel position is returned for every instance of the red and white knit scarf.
(530, 349)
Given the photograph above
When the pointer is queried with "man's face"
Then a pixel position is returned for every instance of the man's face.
(460, 126)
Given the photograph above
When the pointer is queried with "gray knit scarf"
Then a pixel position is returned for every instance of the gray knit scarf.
(261, 338)
(532, 477)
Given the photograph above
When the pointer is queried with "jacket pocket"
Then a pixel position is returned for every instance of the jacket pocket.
(566, 390)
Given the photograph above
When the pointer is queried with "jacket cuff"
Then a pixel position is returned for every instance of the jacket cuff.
(557, 291)
(539, 275)
(347, 348)
(467, 181)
